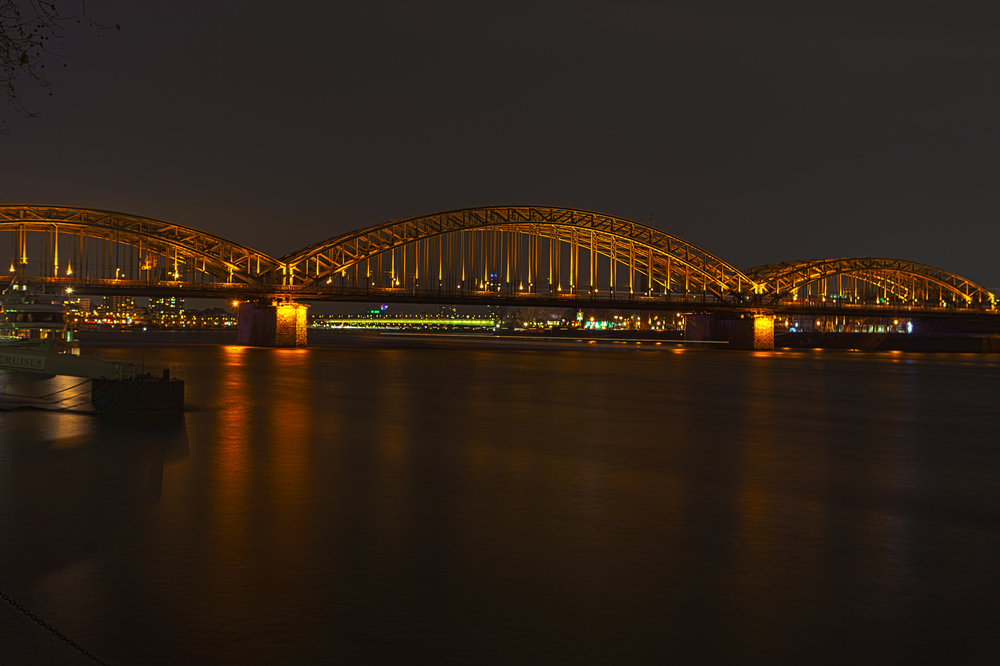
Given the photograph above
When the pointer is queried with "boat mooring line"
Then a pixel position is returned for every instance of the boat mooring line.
(58, 634)
(49, 395)
(69, 407)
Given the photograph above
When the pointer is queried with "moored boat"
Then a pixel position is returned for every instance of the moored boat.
(37, 340)
(32, 319)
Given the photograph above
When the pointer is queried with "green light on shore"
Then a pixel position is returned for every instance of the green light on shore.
(366, 321)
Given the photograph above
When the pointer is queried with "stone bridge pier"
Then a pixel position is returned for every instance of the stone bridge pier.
(741, 331)
(272, 323)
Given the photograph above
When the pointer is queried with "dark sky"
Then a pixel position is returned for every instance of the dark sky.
(759, 131)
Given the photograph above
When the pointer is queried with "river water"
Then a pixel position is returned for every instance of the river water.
(380, 499)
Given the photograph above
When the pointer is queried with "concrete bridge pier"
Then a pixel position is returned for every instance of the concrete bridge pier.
(272, 323)
(746, 331)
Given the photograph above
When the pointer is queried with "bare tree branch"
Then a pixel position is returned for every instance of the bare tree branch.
(31, 38)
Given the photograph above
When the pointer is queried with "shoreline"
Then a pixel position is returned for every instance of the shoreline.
(855, 342)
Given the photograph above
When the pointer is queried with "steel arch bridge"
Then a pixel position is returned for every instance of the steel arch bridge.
(870, 279)
(487, 255)
(518, 249)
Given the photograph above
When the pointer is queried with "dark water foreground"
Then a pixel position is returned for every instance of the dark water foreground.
(397, 500)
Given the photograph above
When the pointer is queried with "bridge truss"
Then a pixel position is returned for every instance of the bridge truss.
(512, 250)
(84, 244)
(870, 280)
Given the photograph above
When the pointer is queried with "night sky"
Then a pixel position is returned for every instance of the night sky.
(761, 132)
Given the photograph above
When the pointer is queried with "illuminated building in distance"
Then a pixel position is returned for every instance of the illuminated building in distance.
(167, 311)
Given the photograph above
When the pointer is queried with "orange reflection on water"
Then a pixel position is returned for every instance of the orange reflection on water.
(234, 484)
(230, 481)
(777, 508)
(291, 419)
(69, 430)
(233, 434)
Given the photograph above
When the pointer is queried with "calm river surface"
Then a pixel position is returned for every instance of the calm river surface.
(376, 499)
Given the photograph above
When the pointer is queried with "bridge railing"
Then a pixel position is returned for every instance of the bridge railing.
(236, 289)
(567, 295)
(837, 305)
(504, 294)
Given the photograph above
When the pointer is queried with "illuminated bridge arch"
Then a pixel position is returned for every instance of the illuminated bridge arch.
(64, 242)
(870, 279)
(517, 249)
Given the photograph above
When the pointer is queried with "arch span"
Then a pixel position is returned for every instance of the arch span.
(906, 281)
(162, 249)
(668, 262)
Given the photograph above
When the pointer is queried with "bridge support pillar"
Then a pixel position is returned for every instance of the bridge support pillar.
(749, 331)
(272, 324)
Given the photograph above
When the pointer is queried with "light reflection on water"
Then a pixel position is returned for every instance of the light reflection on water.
(465, 503)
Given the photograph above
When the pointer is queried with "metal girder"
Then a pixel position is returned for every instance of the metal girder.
(217, 256)
(317, 262)
(784, 278)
